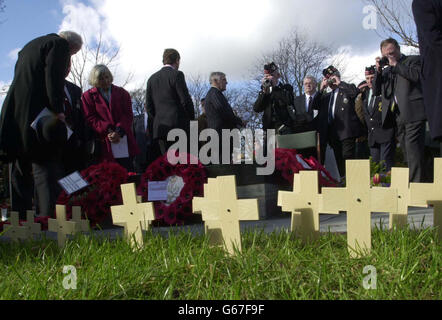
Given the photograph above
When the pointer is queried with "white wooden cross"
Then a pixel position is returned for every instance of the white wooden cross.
(133, 216)
(430, 194)
(305, 203)
(61, 226)
(359, 200)
(221, 210)
(34, 228)
(82, 224)
(14, 231)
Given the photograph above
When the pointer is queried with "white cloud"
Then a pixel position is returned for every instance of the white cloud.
(210, 35)
(13, 54)
(4, 87)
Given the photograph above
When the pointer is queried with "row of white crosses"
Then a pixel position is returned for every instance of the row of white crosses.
(359, 200)
(222, 211)
(60, 225)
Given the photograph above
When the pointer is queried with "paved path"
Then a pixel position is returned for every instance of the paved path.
(417, 218)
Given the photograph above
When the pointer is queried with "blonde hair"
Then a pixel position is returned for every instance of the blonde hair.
(98, 71)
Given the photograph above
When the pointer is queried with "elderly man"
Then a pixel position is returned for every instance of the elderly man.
(398, 80)
(38, 83)
(219, 113)
(338, 123)
(381, 138)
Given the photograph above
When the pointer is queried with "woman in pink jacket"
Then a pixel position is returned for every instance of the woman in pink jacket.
(108, 110)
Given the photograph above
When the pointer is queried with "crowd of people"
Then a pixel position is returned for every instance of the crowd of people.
(49, 128)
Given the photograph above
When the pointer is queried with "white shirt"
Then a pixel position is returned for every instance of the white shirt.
(307, 97)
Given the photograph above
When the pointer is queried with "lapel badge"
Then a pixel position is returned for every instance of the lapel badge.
(345, 100)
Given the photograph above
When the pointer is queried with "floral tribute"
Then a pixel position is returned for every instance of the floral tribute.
(288, 162)
(102, 192)
(188, 182)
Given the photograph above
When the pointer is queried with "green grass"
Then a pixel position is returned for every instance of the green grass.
(184, 266)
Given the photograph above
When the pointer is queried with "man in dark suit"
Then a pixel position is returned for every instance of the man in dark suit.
(397, 79)
(168, 101)
(307, 105)
(143, 138)
(219, 112)
(428, 17)
(338, 124)
(381, 138)
(38, 83)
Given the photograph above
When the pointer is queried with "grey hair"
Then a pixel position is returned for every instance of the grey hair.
(74, 39)
(97, 71)
(311, 78)
(216, 76)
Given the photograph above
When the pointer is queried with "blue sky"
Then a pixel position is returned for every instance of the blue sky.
(22, 21)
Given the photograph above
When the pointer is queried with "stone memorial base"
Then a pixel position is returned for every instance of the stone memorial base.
(251, 186)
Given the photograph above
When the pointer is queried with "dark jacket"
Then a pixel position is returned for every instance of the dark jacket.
(346, 122)
(168, 102)
(101, 117)
(402, 81)
(305, 119)
(219, 113)
(428, 17)
(38, 83)
(77, 152)
(373, 119)
(278, 107)
(143, 139)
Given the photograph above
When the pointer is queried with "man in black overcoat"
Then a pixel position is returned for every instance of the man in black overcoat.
(38, 83)
(428, 17)
(398, 81)
(168, 101)
(381, 138)
(338, 123)
(219, 113)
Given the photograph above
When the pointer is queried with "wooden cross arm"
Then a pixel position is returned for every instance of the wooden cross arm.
(69, 227)
(383, 199)
(208, 208)
(19, 232)
(421, 194)
(248, 209)
(284, 200)
(333, 200)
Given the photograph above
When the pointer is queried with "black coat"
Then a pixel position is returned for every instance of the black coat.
(277, 107)
(77, 154)
(219, 113)
(404, 82)
(428, 17)
(143, 142)
(168, 102)
(346, 122)
(305, 119)
(38, 83)
(373, 118)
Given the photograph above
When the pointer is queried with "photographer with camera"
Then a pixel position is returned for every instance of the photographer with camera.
(276, 100)
(339, 125)
(397, 80)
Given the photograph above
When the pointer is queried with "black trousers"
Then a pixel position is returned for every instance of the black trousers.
(22, 186)
(343, 149)
(411, 137)
(47, 189)
(384, 152)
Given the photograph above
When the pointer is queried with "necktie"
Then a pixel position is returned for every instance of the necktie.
(330, 107)
(370, 101)
(309, 107)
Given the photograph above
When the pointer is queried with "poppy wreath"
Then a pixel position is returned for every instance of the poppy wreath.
(102, 192)
(194, 177)
(288, 162)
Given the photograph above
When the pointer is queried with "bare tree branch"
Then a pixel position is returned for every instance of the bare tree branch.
(198, 86)
(396, 19)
